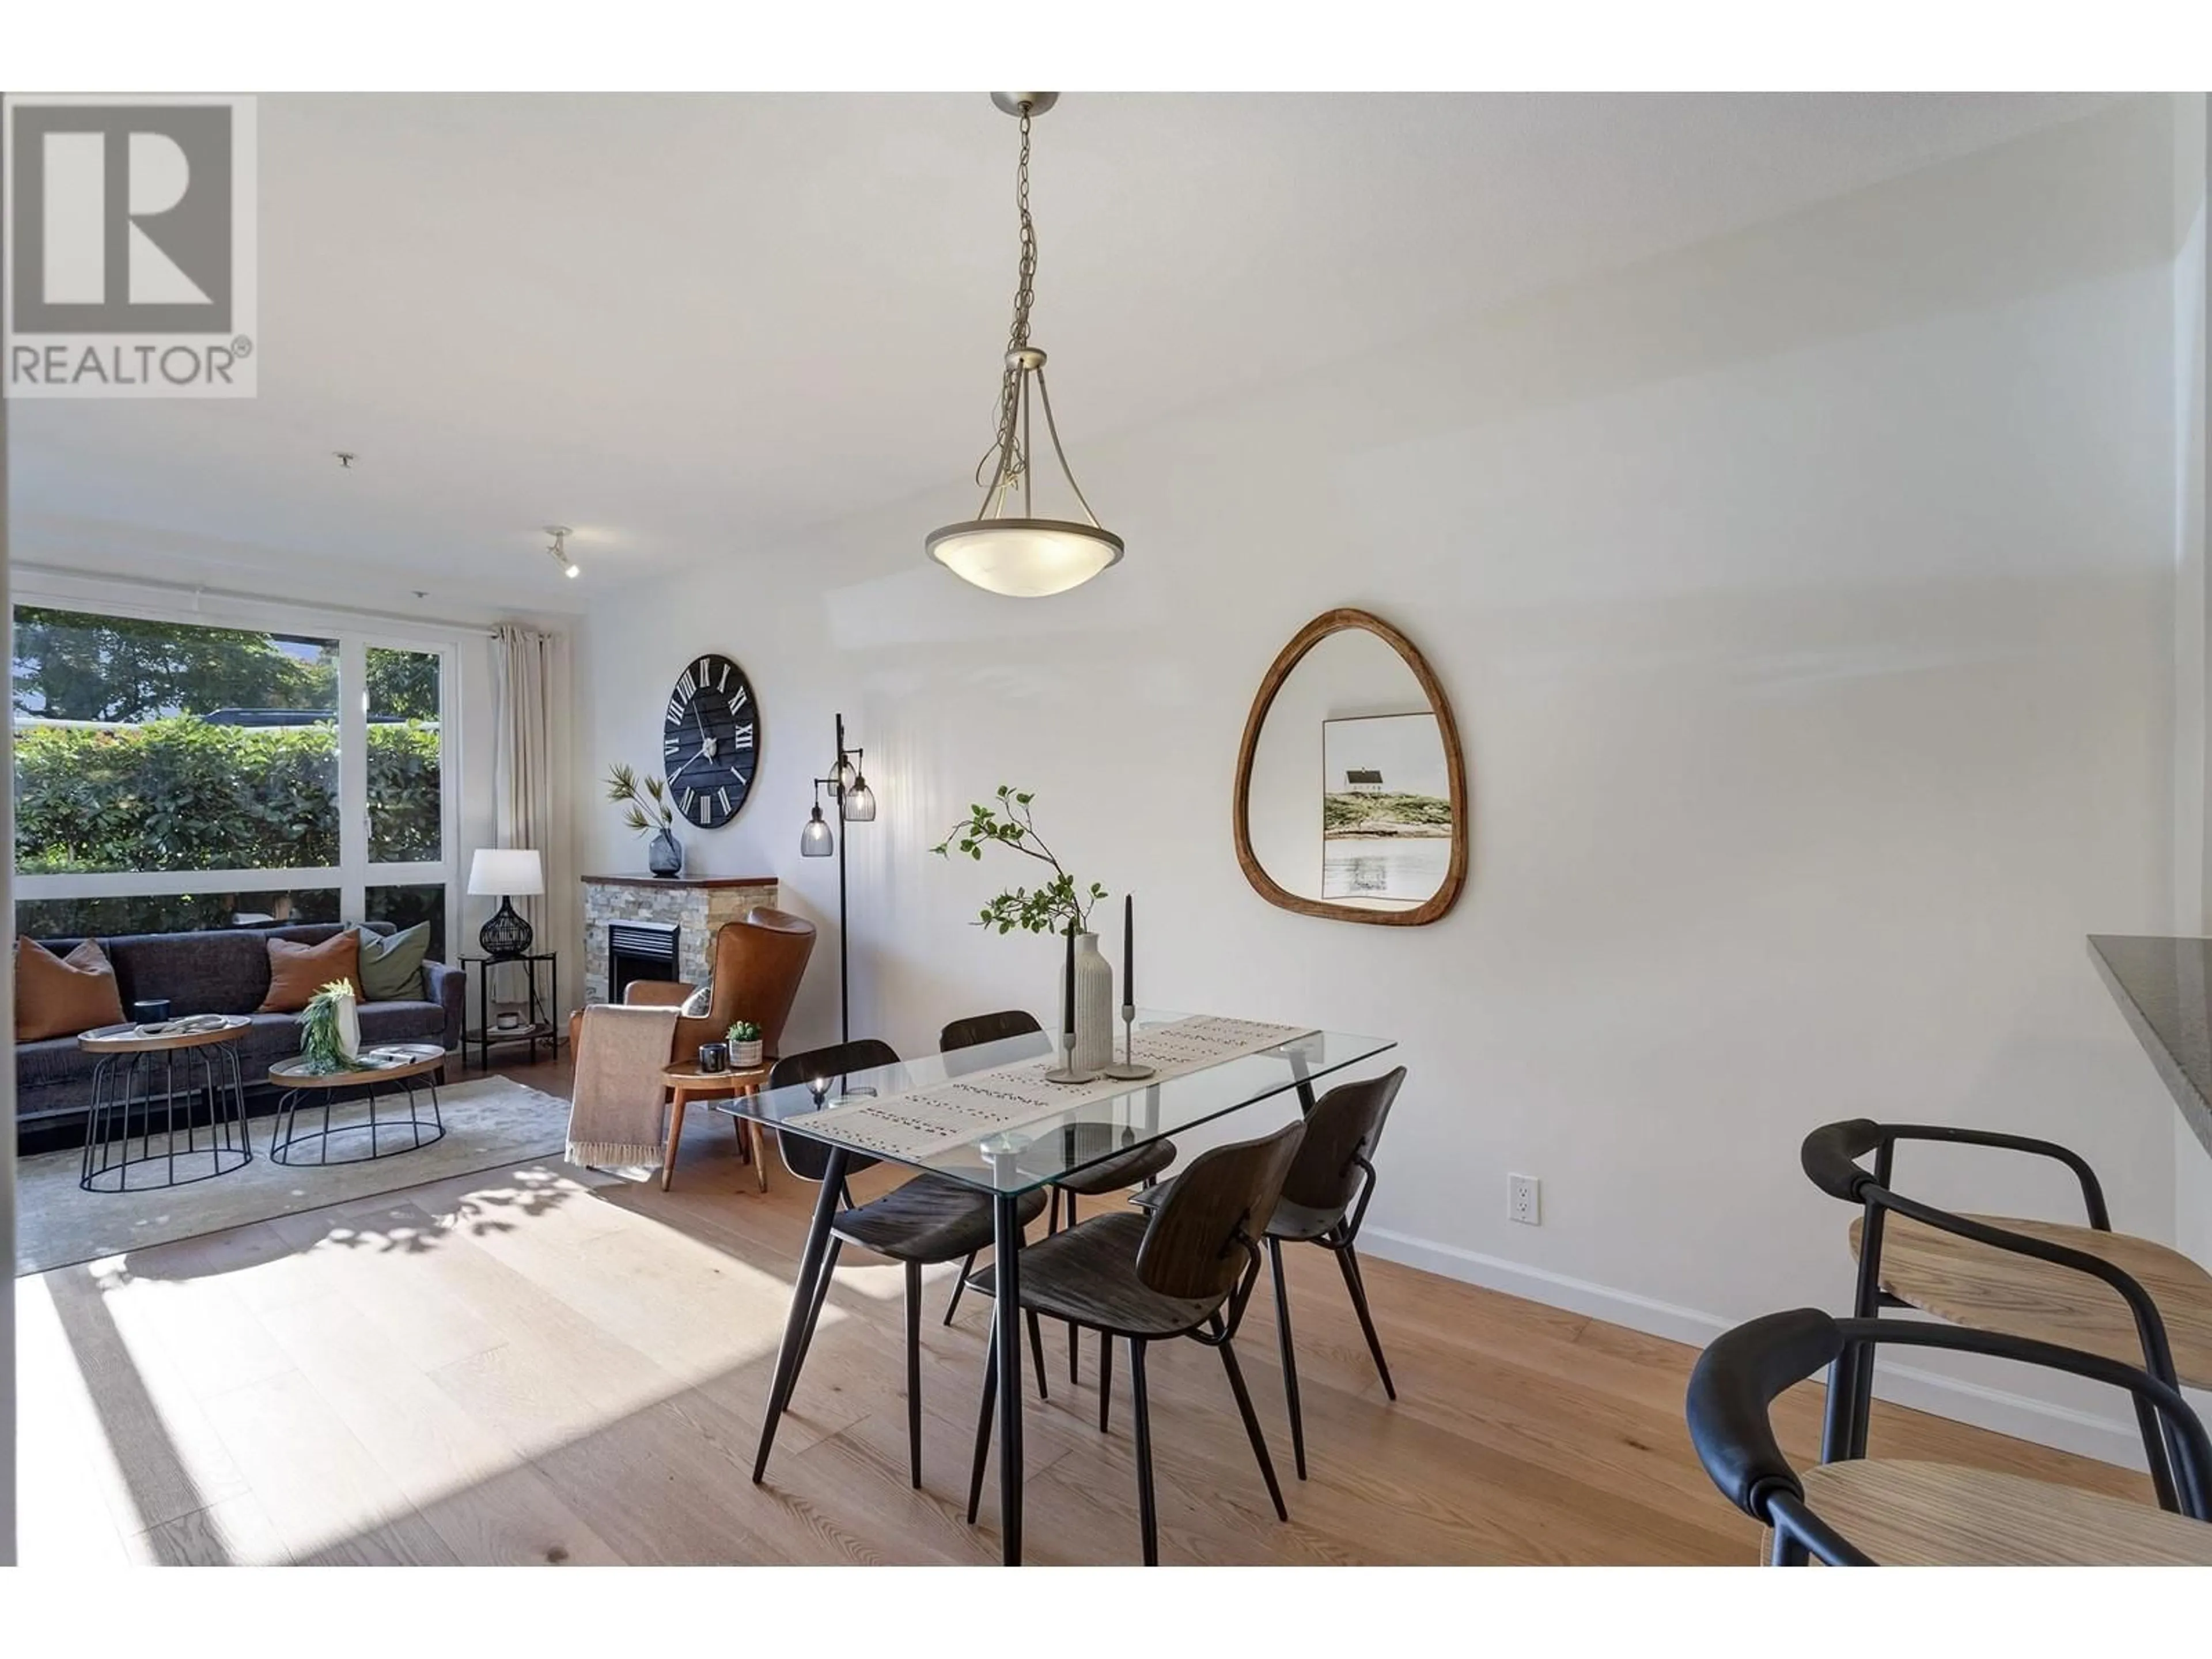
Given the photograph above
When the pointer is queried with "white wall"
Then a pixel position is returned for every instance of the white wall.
(1804, 598)
(2192, 1168)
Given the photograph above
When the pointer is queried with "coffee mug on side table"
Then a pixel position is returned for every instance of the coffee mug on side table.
(713, 1057)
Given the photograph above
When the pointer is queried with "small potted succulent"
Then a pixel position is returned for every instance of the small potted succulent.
(745, 1045)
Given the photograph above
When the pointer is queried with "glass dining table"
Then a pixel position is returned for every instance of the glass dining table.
(988, 1117)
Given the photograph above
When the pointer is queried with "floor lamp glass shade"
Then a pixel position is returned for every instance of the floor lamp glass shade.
(507, 872)
(859, 805)
(1024, 558)
(815, 841)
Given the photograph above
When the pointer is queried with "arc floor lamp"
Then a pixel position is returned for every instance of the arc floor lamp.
(848, 786)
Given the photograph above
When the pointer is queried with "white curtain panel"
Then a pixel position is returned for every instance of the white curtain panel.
(529, 672)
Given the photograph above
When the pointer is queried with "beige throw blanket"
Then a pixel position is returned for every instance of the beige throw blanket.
(615, 1115)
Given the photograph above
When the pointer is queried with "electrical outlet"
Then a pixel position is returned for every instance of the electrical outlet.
(1524, 1200)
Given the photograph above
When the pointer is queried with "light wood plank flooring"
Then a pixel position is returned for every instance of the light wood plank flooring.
(526, 1366)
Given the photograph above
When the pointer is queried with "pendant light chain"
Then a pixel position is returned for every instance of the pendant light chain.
(1007, 548)
(1005, 464)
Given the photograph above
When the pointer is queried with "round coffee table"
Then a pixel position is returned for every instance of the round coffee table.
(416, 1062)
(143, 1074)
(687, 1083)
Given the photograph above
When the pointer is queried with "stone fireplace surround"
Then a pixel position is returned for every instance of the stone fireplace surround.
(695, 905)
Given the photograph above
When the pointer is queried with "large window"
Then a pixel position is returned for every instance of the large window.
(172, 776)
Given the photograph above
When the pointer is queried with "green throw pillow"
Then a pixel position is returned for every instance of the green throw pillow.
(391, 964)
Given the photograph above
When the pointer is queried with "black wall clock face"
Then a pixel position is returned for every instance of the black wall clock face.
(710, 741)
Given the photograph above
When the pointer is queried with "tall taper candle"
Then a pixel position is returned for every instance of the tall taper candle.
(1067, 993)
(1128, 951)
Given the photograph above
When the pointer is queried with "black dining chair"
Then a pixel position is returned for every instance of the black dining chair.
(927, 1219)
(1860, 1511)
(2079, 1286)
(1186, 1270)
(1111, 1173)
(1324, 1200)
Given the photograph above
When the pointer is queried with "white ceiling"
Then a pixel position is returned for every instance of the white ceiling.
(689, 325)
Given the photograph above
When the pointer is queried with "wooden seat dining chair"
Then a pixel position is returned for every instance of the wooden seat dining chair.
(925, 1220)
(1865, 1511)
(2076, 1286)
(1324, 1200)
(1112, 1173)
(1186, 1270)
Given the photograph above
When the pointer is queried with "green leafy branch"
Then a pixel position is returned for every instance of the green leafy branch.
(646, 804)
(1009, 822)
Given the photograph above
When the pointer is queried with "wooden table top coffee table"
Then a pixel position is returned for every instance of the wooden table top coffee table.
(289, 1143)
(687, 1083)
(426, 1057)
(129, 1039)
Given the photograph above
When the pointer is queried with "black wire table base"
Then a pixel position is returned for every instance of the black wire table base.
(198, 1096)
(311, 1148)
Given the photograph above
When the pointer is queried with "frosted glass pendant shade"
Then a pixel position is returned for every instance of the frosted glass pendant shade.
(1024, 558)
(815, 841)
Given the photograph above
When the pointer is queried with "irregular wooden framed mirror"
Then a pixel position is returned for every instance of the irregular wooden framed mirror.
(1350, 789)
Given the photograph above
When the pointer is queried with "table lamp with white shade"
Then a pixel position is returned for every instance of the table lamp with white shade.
(507, 873)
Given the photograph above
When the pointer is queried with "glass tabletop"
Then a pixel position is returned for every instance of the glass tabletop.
(1033, 1145)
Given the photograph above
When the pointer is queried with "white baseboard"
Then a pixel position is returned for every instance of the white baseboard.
(2111, 1439)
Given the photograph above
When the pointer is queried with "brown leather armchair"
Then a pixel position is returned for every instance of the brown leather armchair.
(756, 963)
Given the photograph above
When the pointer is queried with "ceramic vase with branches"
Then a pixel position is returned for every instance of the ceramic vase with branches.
(1060, 904)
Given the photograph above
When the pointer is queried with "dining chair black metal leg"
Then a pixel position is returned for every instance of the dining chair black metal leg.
(1105, 1378)
(795, 1324)
(1147, 1517)
(1252, 1426)
(983, 1424)
(1006, 1244)
(814, 1315)
(1037, 1352)
(1074, 1354)
(1051, 1218)
(1290, 1355)
(1350, 1264)
(959, 1285)
(913, 1371)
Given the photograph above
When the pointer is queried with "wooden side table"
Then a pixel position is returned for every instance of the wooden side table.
(687, 1083)
(134, 1072)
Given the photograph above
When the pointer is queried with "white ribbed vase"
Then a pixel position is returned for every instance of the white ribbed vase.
(349, 1029)
(1094, 1005)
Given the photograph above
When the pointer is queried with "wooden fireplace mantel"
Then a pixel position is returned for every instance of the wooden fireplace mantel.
(643, 880)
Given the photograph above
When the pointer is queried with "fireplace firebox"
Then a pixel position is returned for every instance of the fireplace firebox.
(639, 950)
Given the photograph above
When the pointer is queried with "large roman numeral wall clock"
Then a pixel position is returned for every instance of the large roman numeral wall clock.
(710, 741)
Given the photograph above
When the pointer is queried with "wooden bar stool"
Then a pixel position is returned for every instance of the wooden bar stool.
(1872, 1511)
(2086, 1287)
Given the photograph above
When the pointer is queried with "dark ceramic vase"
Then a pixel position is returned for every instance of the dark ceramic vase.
(665, 857)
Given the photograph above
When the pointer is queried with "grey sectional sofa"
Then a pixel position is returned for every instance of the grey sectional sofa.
(224, 973)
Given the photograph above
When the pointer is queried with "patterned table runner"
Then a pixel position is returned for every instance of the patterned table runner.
(923, 1122)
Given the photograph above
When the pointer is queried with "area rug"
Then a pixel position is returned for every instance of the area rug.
(489, 1122)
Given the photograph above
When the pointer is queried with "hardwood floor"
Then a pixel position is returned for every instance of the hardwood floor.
(535, 1366)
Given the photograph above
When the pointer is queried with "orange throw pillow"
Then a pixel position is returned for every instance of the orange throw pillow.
(60, 996)
(296, 972)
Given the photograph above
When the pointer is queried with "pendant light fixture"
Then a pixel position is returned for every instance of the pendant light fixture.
(1006, 547)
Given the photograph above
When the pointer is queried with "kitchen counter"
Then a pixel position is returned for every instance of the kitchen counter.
(2164, 987)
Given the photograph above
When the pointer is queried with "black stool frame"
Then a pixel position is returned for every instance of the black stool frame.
(1738, 1377)
(1829, 1156)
